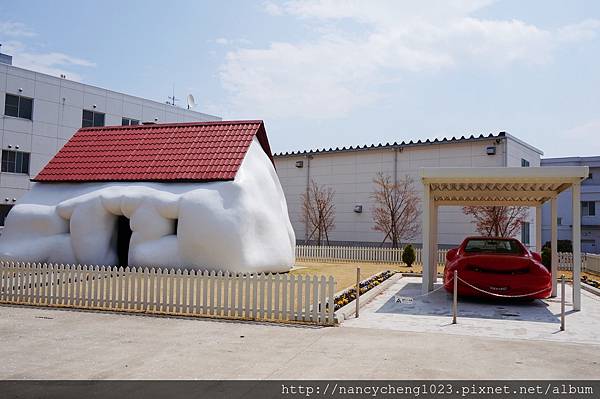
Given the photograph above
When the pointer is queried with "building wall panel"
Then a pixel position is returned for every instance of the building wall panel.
(14, 83)
(351, 175)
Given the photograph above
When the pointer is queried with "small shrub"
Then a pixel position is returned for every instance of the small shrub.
(408, 255)
(562, 245)
(547, 257)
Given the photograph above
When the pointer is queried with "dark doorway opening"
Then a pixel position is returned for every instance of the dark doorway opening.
(4, 209)
(123, 237)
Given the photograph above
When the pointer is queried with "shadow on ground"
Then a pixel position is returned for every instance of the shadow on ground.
(439, 303)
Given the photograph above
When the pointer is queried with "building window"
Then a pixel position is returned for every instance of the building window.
(559, 221)
(4, 209)
(15, 161)
(129, 122)
(92, 119)
(590, 176)
(20, 107)
(525, 233)
(524, 163)
(588, 208)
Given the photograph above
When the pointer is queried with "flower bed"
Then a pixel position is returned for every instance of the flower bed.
(590, 281)
(349, 294)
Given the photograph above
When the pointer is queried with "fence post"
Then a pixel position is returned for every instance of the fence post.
(455, 297)
(562, 302)
(357, 289)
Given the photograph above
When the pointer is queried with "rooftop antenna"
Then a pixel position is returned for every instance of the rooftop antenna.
(172, 98)
(191, 103)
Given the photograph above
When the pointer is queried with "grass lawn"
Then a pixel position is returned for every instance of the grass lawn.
(345, 273)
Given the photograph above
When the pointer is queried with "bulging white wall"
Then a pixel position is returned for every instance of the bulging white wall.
(240, 225)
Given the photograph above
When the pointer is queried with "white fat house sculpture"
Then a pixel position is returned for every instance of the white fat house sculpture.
(189, 195)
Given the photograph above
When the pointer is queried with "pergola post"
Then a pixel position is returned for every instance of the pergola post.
(426, 232)
(576, 196)
(554, 243)
(538, 229)
(433, 249)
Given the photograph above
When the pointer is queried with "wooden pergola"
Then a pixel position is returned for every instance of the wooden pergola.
(502, 186)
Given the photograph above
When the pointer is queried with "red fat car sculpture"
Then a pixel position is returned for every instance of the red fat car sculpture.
(498, 265)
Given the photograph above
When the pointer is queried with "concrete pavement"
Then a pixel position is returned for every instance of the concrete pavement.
(537, 320)
(64, 344)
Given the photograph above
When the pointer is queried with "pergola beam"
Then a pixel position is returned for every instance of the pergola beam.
(541, 194)
(459, 202)
(505, 175)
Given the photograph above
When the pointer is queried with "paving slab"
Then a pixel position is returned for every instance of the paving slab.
(508, 319)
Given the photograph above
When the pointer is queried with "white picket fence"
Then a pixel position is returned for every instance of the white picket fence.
(265, 297)
(589, 262)
(358, 254)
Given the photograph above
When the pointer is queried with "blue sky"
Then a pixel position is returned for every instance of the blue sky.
(334, 73)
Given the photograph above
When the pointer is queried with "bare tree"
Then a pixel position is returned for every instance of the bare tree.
(397, 208)
(319, 211)
(498, 221)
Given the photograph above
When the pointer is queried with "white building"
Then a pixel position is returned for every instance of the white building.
(350, 172)
(590, 205)
(41, 112)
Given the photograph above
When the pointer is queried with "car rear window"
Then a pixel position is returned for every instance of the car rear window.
(493, 246)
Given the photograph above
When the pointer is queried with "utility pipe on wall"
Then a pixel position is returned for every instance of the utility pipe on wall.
(395, 165)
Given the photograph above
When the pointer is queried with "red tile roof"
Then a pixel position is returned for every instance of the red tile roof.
(199, 151)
